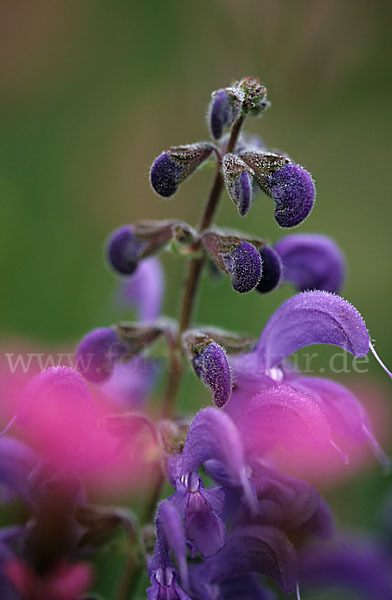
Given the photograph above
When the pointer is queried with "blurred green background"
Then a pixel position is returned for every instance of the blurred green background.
(91, 91)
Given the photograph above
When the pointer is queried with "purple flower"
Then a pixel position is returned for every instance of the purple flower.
(311, 262)
(172, 167)
(250, 549)
(123, 249)
(245, 267)
(170, 537)
(357, 566)
(98, 352)
(292, 188)
(201, 509)
(16, 464)
(212, 366)
(271, 270)
(144, 289)
(290, 409)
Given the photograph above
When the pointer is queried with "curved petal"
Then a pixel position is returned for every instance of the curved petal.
(213, 435)
(281, 416)
(312, 318)
(346, 416)
(204, 527)
(250, 549)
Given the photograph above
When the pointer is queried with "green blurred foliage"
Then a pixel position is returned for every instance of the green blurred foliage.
(92, 91)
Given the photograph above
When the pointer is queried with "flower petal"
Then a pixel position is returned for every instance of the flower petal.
(144, 289)
(312, 261)
(312, 318)
(254, 548)
(346, 416)
(281, 416)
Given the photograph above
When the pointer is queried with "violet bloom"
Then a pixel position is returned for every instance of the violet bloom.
(311, 262)
(123, 249)
(144, 290)
(170, 537)
(98, 352)
(290, 409)
(201, 508)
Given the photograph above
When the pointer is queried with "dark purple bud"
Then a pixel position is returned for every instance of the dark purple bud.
(98, 352)
(123, 249)
(272, 270)
(293, 190)
(263, 164)
(312, 262)
(238, 181)
(223, 110)
(212, 366)
(176, 164)
(244, 266)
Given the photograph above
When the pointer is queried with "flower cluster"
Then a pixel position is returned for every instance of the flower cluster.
(236, 524)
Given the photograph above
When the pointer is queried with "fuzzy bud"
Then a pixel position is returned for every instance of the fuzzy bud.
(238, 181)
(255, 96)
(176, 164)
(212, 366)
(224, 109)
(244, 266)
(272, 270)
(123, 249)
(293, 190)
(98, 352)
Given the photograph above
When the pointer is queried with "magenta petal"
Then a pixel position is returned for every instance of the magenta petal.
(346, 416)
(312, 318)
(282, 417)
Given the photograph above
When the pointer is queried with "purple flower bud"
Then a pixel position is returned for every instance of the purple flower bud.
(244, 266)
(238, 182)
(176, 164)
(293, 190)
(97, 354)
(223, 111)
(212, 366)
(123, 250)
(272, 270)
(312, 262)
